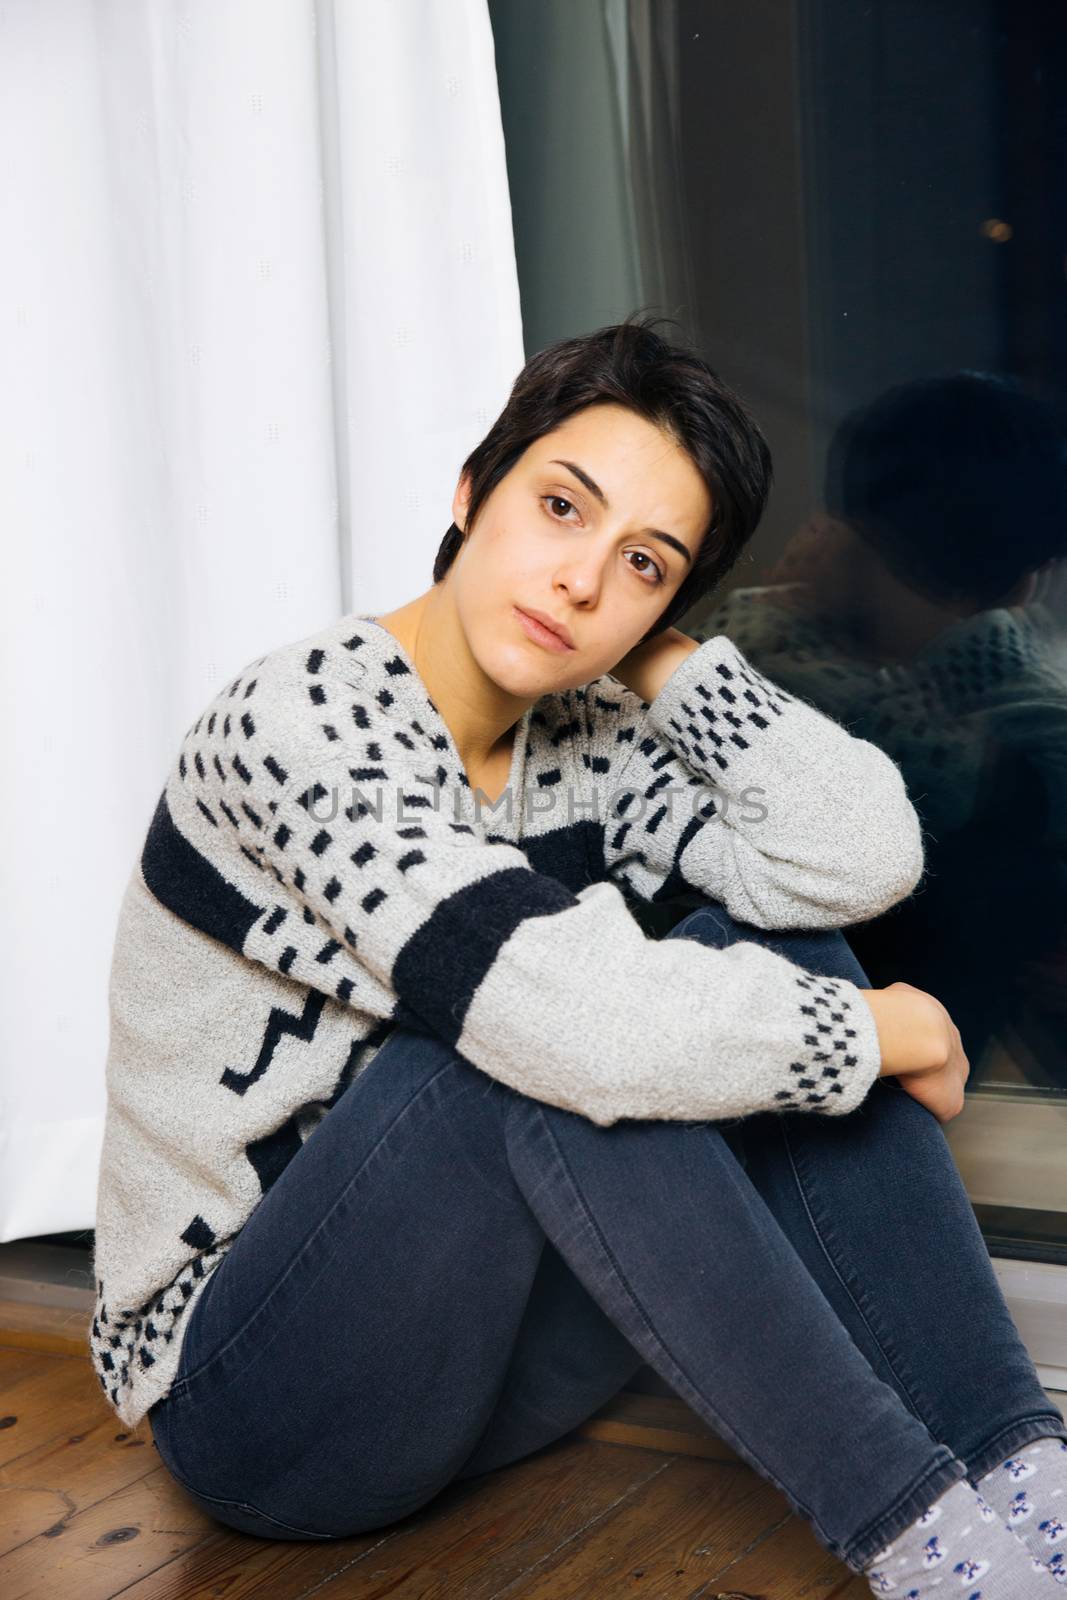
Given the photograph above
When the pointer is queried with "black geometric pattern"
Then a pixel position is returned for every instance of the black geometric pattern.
(126, 1343)
(721, 716)
(829, 1044)
(279, 1024)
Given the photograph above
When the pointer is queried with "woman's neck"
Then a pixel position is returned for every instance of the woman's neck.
(481, 717)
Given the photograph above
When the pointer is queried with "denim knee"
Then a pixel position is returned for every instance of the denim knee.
(822, 950)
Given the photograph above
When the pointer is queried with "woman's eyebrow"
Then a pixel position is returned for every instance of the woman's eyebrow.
(594, 488)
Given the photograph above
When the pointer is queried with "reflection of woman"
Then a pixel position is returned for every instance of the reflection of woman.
(977, 722)
(568, 1149)
(924, 612)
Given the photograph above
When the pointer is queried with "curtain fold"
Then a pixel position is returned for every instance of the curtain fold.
(259, 299)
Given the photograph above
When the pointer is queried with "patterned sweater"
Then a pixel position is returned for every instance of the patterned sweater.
(318, 871)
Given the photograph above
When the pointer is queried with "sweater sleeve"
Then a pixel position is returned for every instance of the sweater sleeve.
(404, 911)
(730, 785)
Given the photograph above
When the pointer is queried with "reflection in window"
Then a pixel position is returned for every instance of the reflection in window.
(859, 214)
(922, 606)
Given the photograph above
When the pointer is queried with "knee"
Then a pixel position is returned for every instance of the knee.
(823, 950)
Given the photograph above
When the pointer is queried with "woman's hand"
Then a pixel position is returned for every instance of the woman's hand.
(646, 668)
(921, 1047)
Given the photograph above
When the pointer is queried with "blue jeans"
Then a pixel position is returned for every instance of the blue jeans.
(449, 1275)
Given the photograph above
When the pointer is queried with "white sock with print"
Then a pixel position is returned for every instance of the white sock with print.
(1029, 1490)
(959, 1547)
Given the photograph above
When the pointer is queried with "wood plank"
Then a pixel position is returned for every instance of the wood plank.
(96, 1552)
(151, 1541)
(670, 1540)
(14, 1364)
(44, 1486)
(28, 1325)
(57, 1398)
(656, 1422)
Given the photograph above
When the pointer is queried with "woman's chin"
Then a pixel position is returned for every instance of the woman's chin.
(527, 672)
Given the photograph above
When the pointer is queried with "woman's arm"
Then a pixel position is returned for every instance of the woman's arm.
(745, 793)
(331, 854)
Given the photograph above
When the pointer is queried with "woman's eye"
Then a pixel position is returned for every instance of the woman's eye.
(561, 500)
(652, 567)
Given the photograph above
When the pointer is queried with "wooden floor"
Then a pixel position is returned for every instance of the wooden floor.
(642, 1500)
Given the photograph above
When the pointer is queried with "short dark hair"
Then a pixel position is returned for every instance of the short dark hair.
(958, 481)
(669, 385)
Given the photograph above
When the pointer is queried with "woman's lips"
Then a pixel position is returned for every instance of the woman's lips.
(542, 635)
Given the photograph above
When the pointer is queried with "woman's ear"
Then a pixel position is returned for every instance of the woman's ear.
(460, 501)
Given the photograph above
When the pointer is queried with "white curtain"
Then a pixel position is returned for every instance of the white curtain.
(258, 300)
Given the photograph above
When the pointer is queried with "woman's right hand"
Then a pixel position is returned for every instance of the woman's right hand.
(921, 1047)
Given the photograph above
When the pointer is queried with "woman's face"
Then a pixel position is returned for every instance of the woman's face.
(591, 561)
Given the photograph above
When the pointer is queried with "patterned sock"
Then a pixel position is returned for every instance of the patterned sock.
(1029, 1491)
(959, 1546)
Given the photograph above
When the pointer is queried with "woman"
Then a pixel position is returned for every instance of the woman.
(417, 1147)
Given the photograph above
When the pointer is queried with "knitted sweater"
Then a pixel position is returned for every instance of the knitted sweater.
(319, 871)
